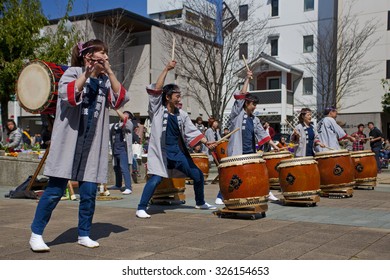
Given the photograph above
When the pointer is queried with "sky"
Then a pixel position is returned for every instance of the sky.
(54, 9)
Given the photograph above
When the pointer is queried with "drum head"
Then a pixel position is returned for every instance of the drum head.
(332, 153)
(34, 86)
(296, 162)
(199, 155)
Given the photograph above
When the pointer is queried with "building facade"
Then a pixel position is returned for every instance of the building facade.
(289, 72)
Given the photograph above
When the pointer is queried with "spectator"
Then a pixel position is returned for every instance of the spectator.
(14, 140)
(360, 137)
(375, 143)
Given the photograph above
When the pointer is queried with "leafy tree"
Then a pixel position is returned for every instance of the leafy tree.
(21, 40)
(20, 21)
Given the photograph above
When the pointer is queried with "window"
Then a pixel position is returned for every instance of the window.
(243, 50)
(243, 12)
(388, 20)
(273, 83)
(308, 5)
(308, 43)
(308, 86)
(274, 46)
(274, 8)
(388, 69)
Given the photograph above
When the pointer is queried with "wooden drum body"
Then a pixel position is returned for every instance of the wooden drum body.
(202, 162)
(365, 168)
(221, 150)
(300, 179)
(170, 190)
(37, 86)
(336, 172)
(272, 159)
(243, 181)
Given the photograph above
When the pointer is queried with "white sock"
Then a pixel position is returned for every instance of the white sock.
(37, 244)
(87, 242)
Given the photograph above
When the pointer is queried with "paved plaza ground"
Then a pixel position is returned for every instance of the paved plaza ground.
(356, 228)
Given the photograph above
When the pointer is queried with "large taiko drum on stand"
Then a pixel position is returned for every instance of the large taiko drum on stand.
(202, 162)
(243, 181)
(300, 180)
(221, 150)
(336, 173)
(365, 168)
(37, 86)
(272, 159)
(170, 190)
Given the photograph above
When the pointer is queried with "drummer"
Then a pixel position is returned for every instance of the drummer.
(172, 130)
(329, 132)
(212, 134)
(252, 132)
(305, 135)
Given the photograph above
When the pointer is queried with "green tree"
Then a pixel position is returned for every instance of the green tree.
(21, 40)
(20, 21)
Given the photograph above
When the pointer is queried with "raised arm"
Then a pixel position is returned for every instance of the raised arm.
(161, 79)
(244, 89)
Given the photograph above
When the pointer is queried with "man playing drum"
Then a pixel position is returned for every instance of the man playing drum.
(172, 130)
(329, 132)
(252, 132)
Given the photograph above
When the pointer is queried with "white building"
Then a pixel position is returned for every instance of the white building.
(286, 73)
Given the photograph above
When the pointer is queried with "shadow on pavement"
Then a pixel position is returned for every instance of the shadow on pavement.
(100, 230)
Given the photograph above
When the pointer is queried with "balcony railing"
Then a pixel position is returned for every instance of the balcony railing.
(273, 96)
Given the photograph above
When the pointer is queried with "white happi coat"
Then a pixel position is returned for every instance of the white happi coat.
(329, 133)
(59, 162)
(157, 160)
(238, 118)
(300, 150)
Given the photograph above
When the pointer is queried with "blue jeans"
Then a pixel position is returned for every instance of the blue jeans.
(135, 165)
(121, 167)
(377, 150)
(52, 195)
(186, 166)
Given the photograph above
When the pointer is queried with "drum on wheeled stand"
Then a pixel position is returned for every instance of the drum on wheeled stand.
(244, 185)
(300, 180)
(366, 171)
(170, 191)
(336, 173)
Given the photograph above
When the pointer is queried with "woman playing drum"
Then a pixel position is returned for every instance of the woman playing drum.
(305, 135)
(252, 132)
(79, 143)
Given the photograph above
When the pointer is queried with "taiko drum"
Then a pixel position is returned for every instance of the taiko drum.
(336, 169)
(299, 177)
(272, 159)
(221, 150)
(170, 186)
(37, 86)
(243, 181)
(364, 167)
(202, 162)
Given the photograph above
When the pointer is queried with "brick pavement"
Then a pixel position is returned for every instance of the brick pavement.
(336, 229)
